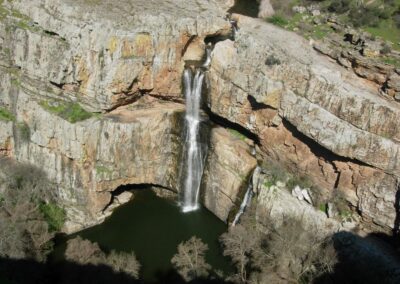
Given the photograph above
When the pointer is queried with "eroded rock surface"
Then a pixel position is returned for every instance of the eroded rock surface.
(228, 170)
(304, 111)
(317, 118)
(107, 53)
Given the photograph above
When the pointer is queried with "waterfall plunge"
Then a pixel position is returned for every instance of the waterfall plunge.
(253, 184)
(246, 202)
(194, 152)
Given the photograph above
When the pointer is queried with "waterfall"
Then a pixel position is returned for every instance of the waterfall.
(246, 202)
(207, 62)
(249, 194)
(194, 153)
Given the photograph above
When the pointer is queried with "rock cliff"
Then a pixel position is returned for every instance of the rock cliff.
(317, 118)
(122, 62)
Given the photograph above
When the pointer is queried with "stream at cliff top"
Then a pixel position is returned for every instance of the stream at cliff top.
(153, 227)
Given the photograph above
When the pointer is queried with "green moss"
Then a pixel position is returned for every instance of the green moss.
(103, 170)
(237, 134)
(24, 131)
(268, 183)
(69, 111)
(15, 82)
(54, 216)
(323, 207)
(92, 2)
(6, 115)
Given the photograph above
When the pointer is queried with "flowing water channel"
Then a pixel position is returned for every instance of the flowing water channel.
(153, 227)
(195, 152)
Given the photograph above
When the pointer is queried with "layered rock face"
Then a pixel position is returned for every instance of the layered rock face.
(317, 118)
(125, 60)
(90, 159)
(103, 55)
(107, 53)
(228, 171)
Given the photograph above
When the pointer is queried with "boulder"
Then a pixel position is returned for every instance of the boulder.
(228, 172)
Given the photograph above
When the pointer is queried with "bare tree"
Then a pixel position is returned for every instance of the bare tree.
(24, 232)
(84, 252)
(239, 243)
(124, 262)
(287, 253)
(190, 260)
(294, 252)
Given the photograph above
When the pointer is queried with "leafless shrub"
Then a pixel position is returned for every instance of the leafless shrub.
(287, 253)
(85, 252)
(124, 262)
(24, 232)
(190, 260)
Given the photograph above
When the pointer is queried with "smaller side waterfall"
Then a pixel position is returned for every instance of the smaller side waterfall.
(246, 202)
(248, 196)
(207, 62)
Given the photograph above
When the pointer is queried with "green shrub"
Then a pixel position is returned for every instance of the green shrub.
(278, 20)
(54, 216)
(69, 111)
(302, 181)
(340, 6)
(275, 173)
(272, 60)
(6, 115)
(24, 131)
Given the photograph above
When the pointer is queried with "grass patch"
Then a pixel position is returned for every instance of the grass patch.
(103, 170)
(268, 183)
(54, 216)
(69, 111)
(391, 61)
(301, 181)
(278, 20)
(388, 31)
(6, 115)
(237, 134)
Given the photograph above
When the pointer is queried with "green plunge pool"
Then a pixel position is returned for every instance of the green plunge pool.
(153, 227)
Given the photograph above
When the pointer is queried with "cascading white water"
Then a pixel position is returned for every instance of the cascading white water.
(249, 194)
(207, 62)
(194, 154)
(246, 202)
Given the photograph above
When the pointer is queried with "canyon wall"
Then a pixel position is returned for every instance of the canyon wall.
(124, 61)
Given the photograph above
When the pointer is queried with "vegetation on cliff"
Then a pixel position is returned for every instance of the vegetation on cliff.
(29, 216)
(381, 18)
(6, 115)
(69, 111)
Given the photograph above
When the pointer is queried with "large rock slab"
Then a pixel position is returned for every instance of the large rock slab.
(227, 172)
(317, 118)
